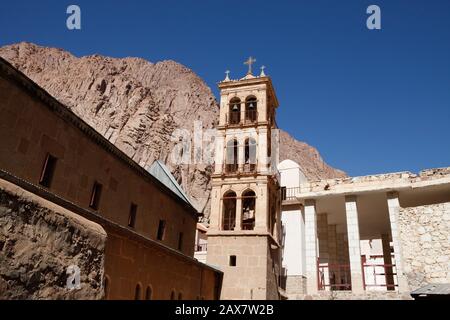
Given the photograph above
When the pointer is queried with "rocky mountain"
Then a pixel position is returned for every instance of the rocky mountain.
(144, 108)
(312, 164)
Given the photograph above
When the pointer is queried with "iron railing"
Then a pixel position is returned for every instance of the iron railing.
(234, 168)
(249, 168)
(379, 275)
(251, 116)
(289, 193)
(234, 117)
(201, 247)
(334, 276)
(231, 168)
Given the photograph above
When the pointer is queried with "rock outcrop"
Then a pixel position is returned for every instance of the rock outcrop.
(138, 105)
(309, 159)
(39, 244)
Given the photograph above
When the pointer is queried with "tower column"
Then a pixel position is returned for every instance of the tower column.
(220, 155)
(354, 247)
(238, 214)
(311, 246)
(241, 153)
(262, 209)
(262, 150)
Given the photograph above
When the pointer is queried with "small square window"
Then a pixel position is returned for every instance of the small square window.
(232, 261)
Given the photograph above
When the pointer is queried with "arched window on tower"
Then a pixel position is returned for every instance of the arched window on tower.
(148, 293)
(248, 210)
(229, 211)
(137, 292)
(231, 160)
(106, 285)
(251, 111)
(250, 155)
(234, 114)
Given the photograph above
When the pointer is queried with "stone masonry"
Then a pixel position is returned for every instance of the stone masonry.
(39, 241)
(425, 239)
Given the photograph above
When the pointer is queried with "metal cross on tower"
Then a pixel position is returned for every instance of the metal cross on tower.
(249, 62)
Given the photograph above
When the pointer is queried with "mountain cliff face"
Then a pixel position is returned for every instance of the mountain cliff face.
(139, 105)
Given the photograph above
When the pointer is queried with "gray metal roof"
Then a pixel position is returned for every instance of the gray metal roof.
(162, 173)
(433, 289)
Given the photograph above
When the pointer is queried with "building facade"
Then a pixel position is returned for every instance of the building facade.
(48, 150)
(245, 226)
(379, 236)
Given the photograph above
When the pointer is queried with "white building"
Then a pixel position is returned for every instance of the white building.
(365, 236)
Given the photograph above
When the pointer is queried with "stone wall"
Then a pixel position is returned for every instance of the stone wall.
(295, 287)
(39, 241)
(425, 240)
(31, 128)
(349, 295)
(252, 277)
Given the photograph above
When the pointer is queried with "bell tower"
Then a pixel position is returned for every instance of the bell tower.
(245, 224)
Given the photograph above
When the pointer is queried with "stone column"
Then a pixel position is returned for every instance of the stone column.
(394, 207)
(342, 258)
(332, 252)
(261, 150)
(219, 153)
(322, 236)
(386, 243)
(216, 207)
(311, 246)
(243, 108)
(262, 209)
(354, 248)
(238, 214)
(241, 152)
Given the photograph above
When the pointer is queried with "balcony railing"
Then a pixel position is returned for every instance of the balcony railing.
(380, 276)
(251, 116)
(249, 168)
(234, 117)
(289, 193)
(201, 247)
(334, 276)
(248, 224)
(231, 168)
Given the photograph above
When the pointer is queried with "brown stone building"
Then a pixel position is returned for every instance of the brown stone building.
(48, 151)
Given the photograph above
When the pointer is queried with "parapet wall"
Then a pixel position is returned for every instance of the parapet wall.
(425, 241)
(386, 181)
(39, 241)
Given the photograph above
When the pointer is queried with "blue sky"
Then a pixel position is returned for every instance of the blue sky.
(371, 101)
